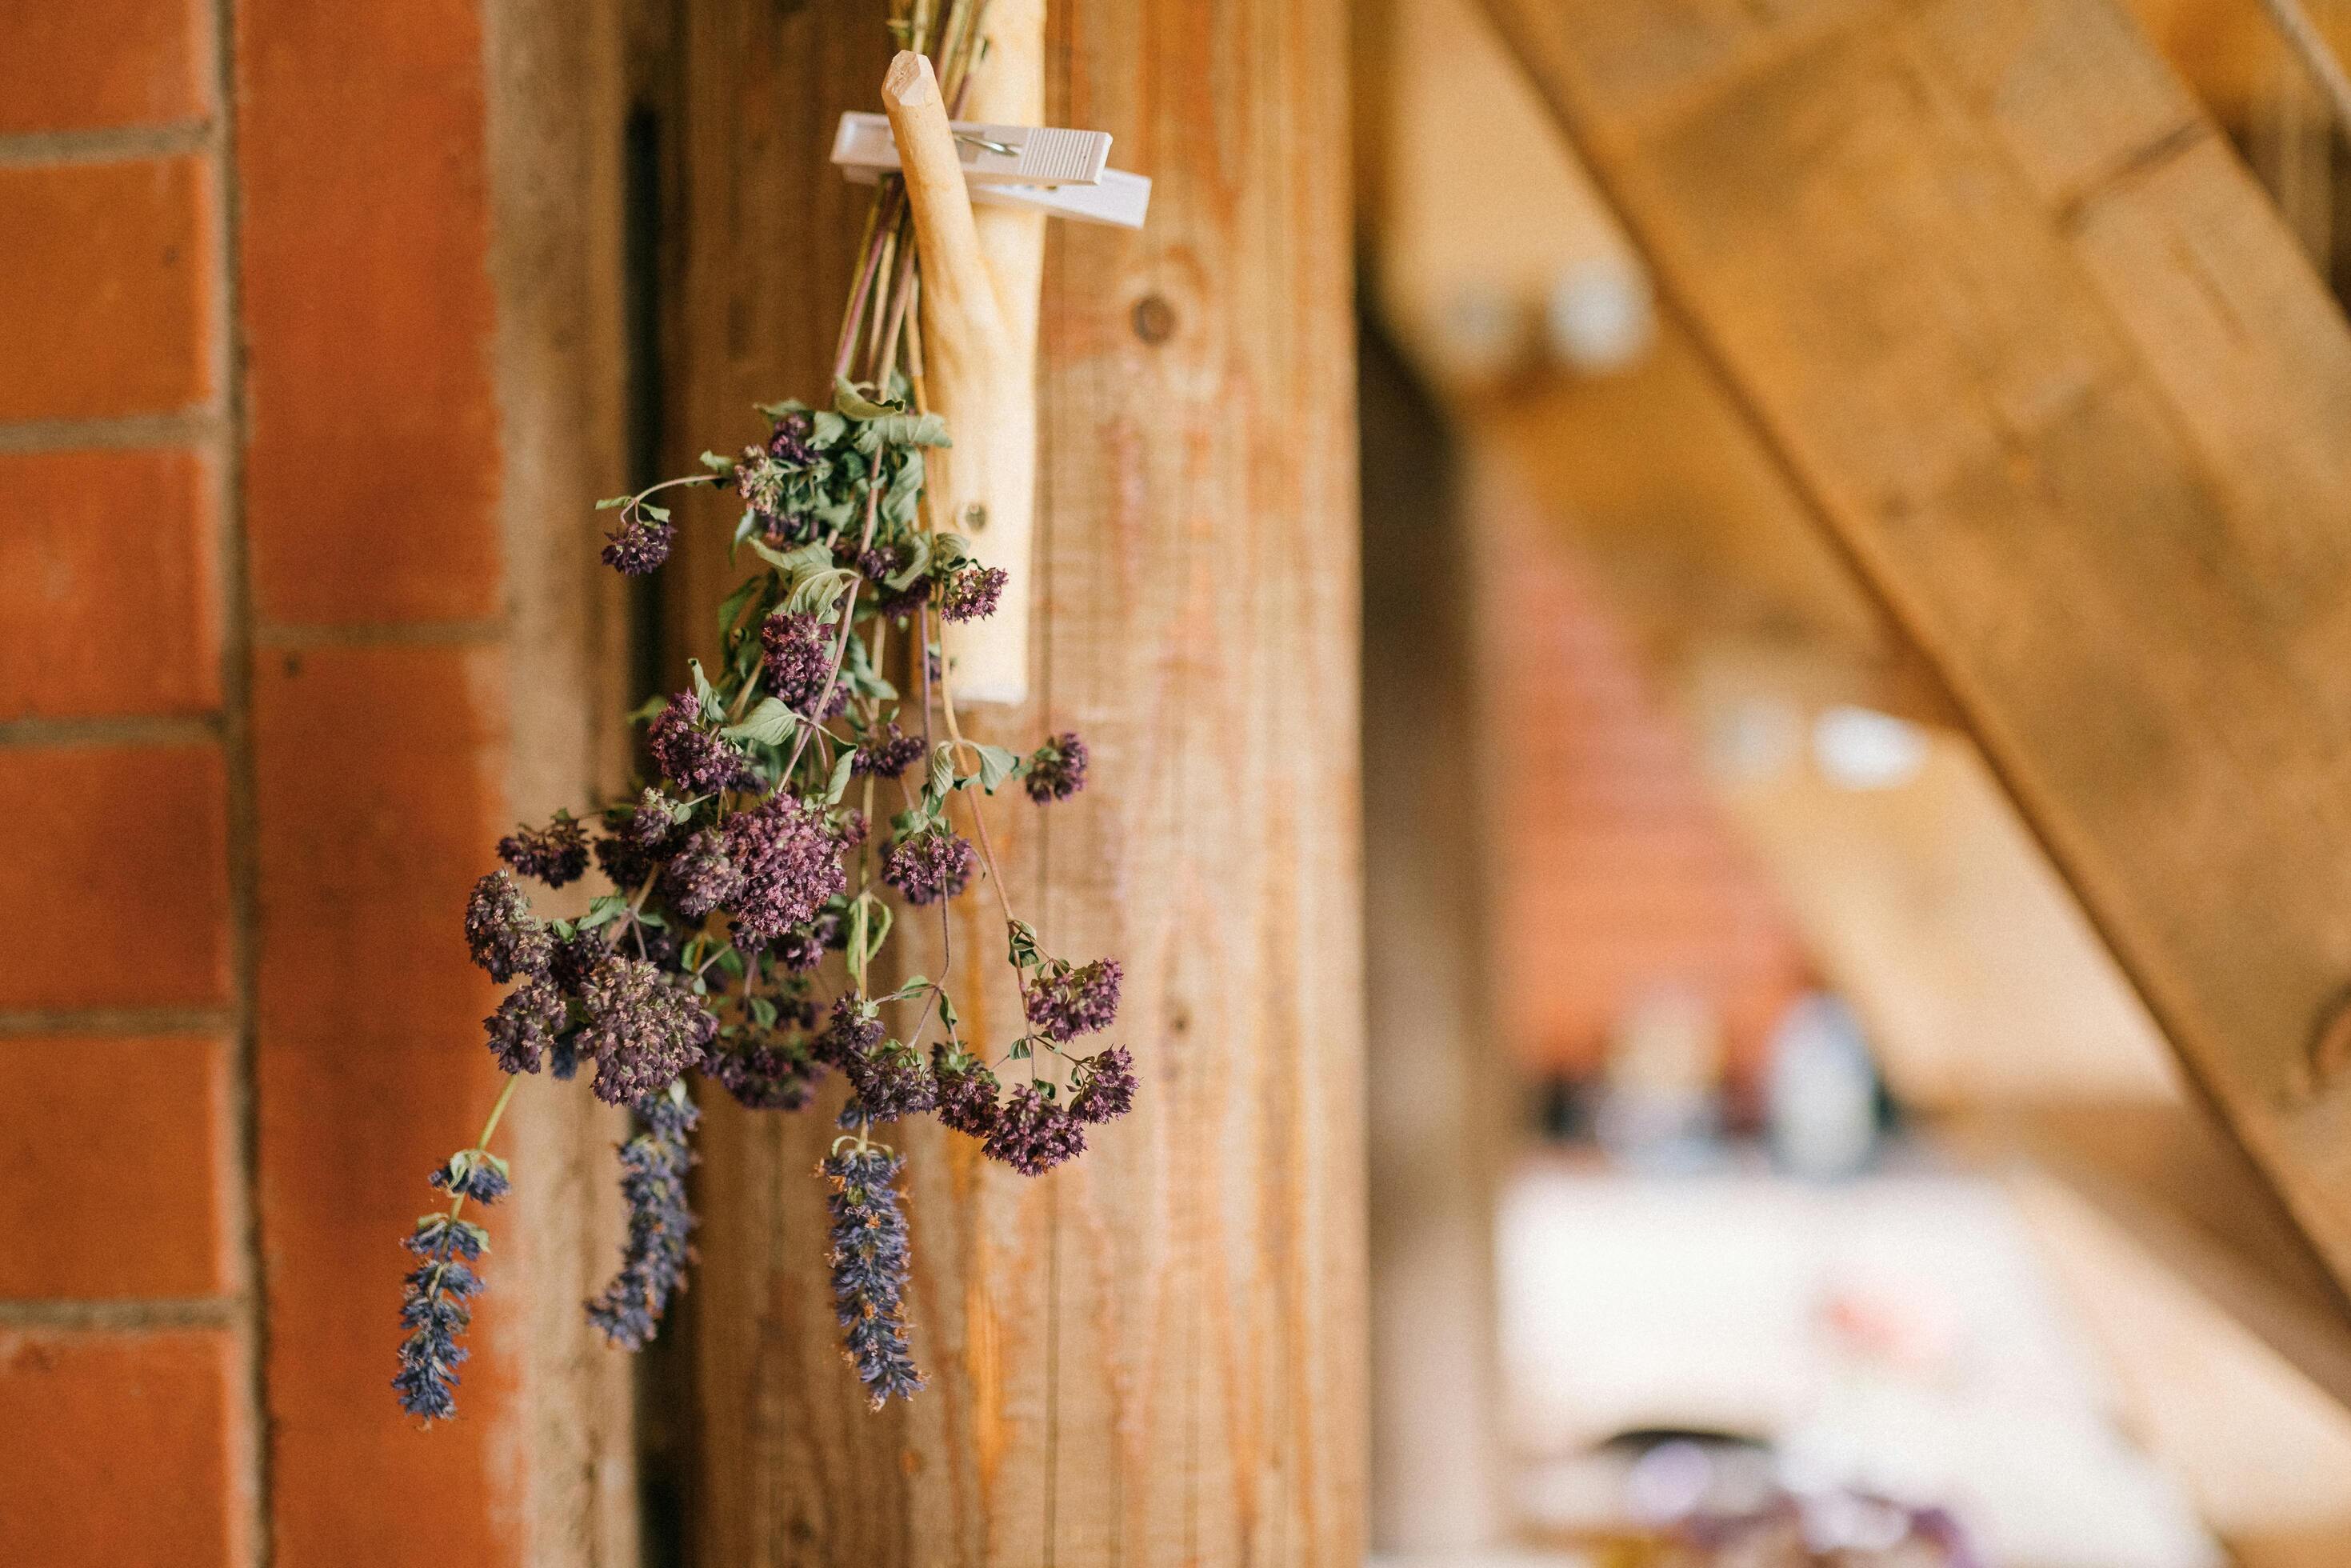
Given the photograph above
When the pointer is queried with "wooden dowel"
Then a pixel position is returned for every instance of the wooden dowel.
(978, 326)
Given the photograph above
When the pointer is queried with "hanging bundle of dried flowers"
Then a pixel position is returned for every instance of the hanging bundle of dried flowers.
(745, 910)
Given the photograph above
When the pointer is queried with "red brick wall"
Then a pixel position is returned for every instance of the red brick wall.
(253, 742)
(1614, 876)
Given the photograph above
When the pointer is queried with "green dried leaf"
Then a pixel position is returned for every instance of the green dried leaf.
(837, 785)
(603, 911)
(847, 400)
(995, 765)
(770, 724)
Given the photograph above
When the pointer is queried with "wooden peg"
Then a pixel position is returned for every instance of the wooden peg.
(981, 273)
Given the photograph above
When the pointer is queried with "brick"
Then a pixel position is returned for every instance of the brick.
(110, 600)
(130, 1457)
(378, 773)
(93, 65)
(108, 274)
(122, 851)
(371, 489)
(112, 1151)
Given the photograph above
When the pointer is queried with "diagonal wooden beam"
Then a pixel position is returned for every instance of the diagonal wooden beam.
(2058, 381)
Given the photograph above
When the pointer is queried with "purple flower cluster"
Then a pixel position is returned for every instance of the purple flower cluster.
(1057, 770)
(790, 863)
(1105, 1086)
(767, 1072)
(799, 650)
(1067, 1000)
(972, 594)
(652, 1262)
(639, 545)
(701, 876)
(555, 854)
(890, 1081)
(503, 936)
(931, 864)
(692, 758)
(1032, 1133)
(528, 1022)
(966, 1090)
(869, 1271)
(855, 1030)
(887, 754)
(642, 1028)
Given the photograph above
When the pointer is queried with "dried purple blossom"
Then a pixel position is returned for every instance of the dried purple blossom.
(800, 649)
(799, 950)
(966, 1090)
(856, 1029)
(503, 934)
(651, 823)
(701, 876)
(1033, 1134)
(433, 1310)
(789, 442)
(576, 958)
(769, 1072)
(886, 755)
(869, 1271)
(1057, 770)
(1067, 1000)
(759, 478)
(1105, 1086)
(476, 1173)
(972, 594)
(692, 758)
(791, 863)
(555, 854)
(642, 1028)
(528, 1021)
(639, 545)
(891, 1081)
(652, 1262)
(932, 865)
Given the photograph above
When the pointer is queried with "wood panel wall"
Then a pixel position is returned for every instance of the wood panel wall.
(1154, 1356)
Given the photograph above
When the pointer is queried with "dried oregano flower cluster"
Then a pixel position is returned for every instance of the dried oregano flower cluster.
(746, 904)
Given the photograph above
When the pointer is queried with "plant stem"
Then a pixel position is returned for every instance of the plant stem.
(481, 1143)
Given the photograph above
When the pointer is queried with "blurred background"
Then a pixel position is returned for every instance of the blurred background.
(1806, 1184)
(1768, 1160)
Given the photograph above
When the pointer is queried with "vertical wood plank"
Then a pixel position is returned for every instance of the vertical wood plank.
(555, 114)
(1153, 1355)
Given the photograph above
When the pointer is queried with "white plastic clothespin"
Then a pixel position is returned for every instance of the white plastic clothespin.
(1044, 168)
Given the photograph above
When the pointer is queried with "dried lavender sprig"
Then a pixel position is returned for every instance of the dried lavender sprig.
(653, 1261)
(435, 1307)
(869, 1269)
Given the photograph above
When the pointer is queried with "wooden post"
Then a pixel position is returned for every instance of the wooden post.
(2041, 356)
(1153, 1355)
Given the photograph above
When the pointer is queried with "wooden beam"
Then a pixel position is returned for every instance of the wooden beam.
(1651, 469)
(1153, 1355)
(2038, 350)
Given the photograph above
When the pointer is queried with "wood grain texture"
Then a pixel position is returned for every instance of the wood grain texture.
(1154, 1356)
(555, 113)
(2061, 385)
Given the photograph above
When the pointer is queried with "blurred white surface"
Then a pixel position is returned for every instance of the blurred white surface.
(1893, 1333)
